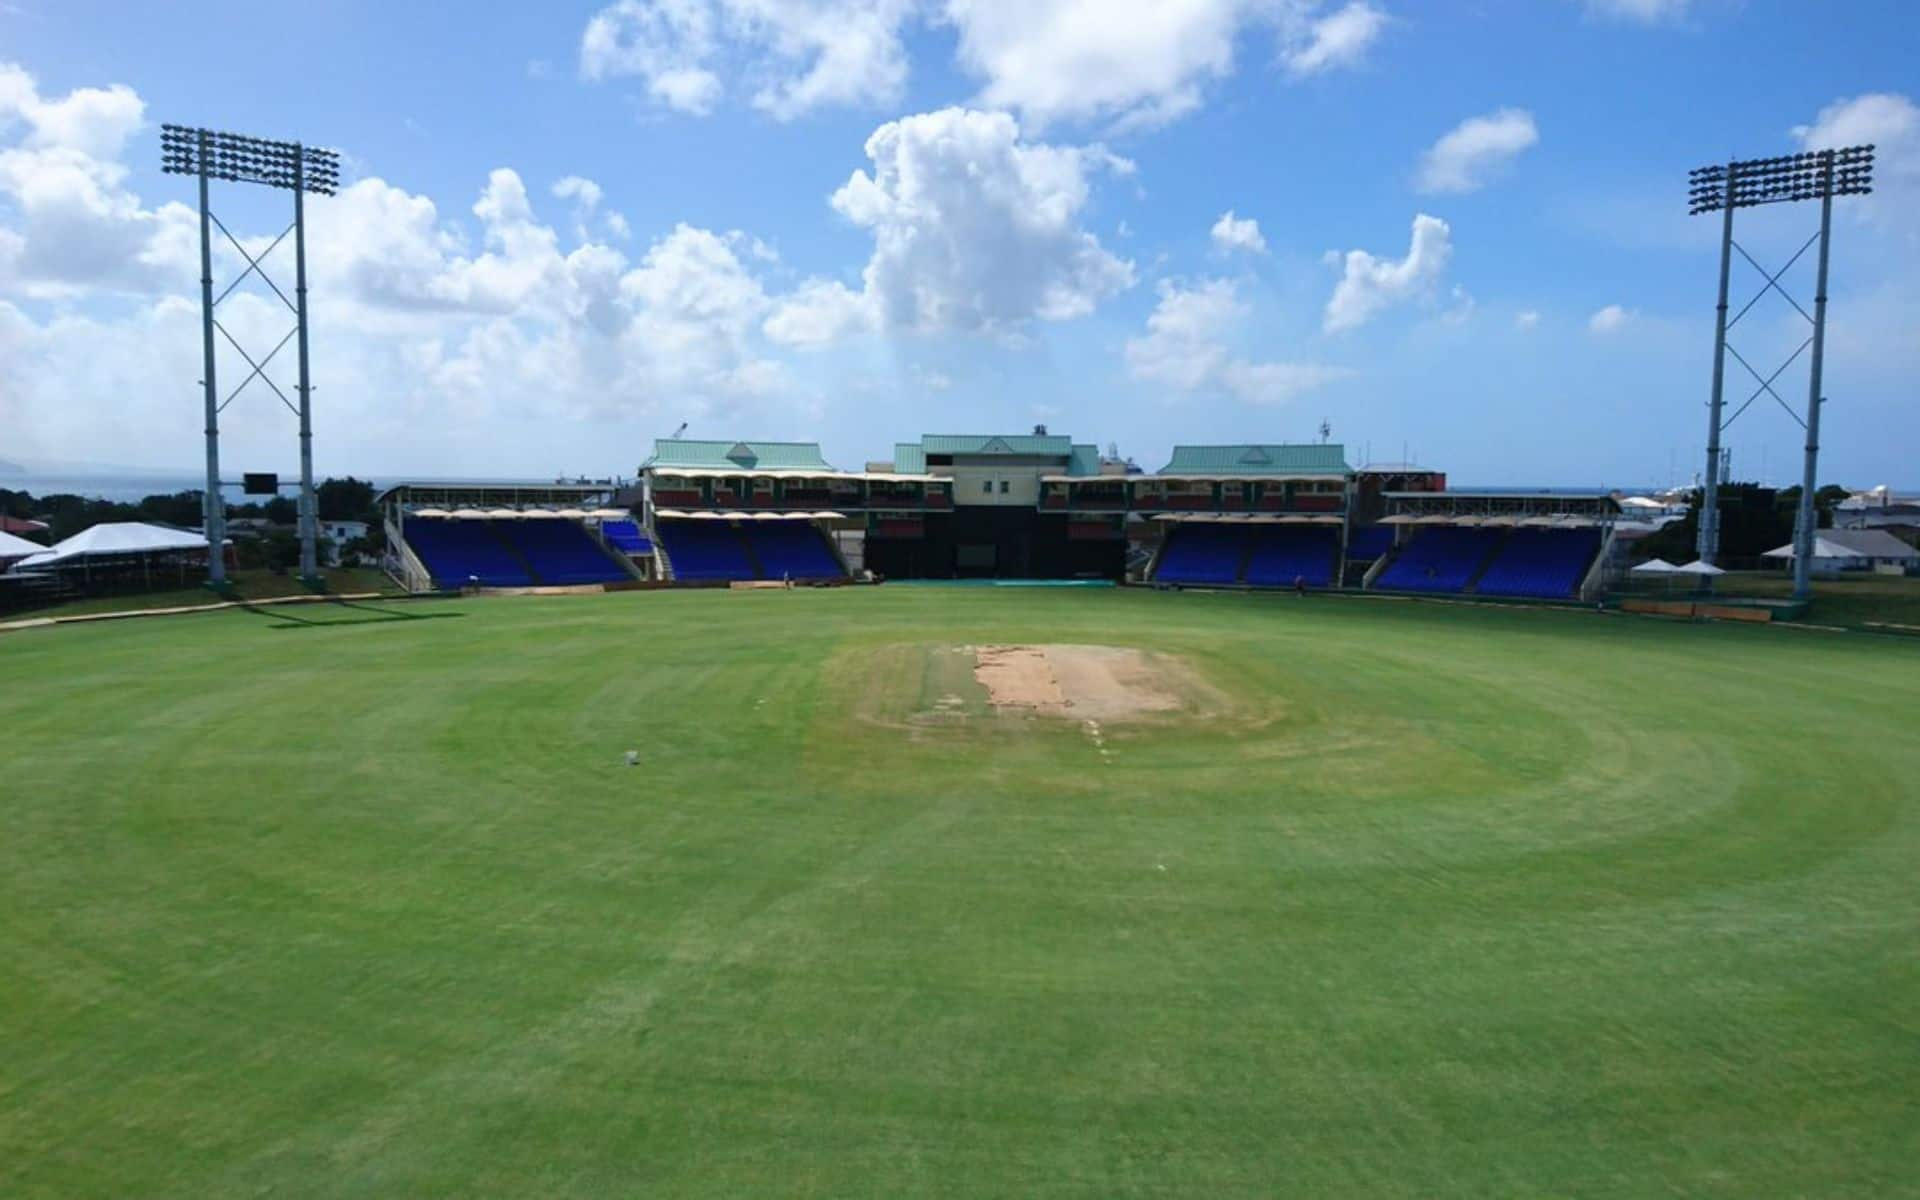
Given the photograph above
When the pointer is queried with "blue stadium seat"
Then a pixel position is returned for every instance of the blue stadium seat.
(704, 551)
(1544, 564)
(1440, 559)
(560, 551)
(457, 553)
(792, 550)
(1285, 553)
(1369, 542)
(1202, 552)
(625, 536)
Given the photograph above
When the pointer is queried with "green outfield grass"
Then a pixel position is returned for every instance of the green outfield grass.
(1421, 900)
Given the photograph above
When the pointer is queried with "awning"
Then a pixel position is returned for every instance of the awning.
(1698, 567)
(18, 547)
(431, 512)
(114, 539)
(1399, 519)
(609, 514)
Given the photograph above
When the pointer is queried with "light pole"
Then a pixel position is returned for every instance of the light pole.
(1816, 175)
(212, 154)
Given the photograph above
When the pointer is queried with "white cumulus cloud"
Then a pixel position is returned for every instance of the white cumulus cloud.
(80, 226)
(797, 55)
(1142, 61)
(1470, 152)
(976, 229)
(1185, 349)
(1641, 12)
(1231, 233)
(1370, 284)
(1611, 319)
(1338, 39)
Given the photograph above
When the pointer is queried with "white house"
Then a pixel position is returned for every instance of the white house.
(1856, 550)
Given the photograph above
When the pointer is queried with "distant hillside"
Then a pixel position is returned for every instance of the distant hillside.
(11, 468)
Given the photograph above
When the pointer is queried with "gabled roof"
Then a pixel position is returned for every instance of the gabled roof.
(1049, 445)
(118, 537)
(1260, 459)
(730, 455)
(1871, 543)
(1853, 543)
(17, 547)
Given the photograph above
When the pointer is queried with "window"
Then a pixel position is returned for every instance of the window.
(1003, 487)
(986, 486)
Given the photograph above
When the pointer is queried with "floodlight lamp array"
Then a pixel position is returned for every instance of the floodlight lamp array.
(1775, 180)
(242, 159)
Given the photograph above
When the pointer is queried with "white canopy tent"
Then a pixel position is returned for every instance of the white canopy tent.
(115, 539)
(1700, 567)
(18, 547)
(1654, 566)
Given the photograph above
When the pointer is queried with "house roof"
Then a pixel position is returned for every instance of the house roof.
(1872, 543)
(20, 524)
(721, 455)
(1050, 445)
(1853, 543)
(1260, 459)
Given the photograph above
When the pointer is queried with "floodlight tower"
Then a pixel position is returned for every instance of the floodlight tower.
(213, 154)
(1817, 175)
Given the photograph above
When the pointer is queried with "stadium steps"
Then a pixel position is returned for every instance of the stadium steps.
(1249, 544)
(507, 544)
(1473, 580)
(752, 556)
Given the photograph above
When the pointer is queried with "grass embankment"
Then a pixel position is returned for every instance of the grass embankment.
(1432, 901)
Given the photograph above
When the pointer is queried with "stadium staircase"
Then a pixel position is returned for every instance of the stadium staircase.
(751, 553)
(513, 551)
(1540, 564)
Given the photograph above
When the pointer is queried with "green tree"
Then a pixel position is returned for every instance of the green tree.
(346, 499)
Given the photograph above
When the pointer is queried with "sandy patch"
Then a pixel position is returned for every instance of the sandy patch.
(1091, 683)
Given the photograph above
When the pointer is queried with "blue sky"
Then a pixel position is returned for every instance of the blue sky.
(861, 221)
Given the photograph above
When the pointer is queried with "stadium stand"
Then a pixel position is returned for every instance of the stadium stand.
(1202, 553)
(1441, 559)
(792, 550)
(714, 551)
(625, 536)
(702, 551)
(1369, 542)
(1283, 554)
(559, 552)
(1545, 564)
(459, 552)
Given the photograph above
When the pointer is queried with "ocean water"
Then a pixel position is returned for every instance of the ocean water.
(124, 489)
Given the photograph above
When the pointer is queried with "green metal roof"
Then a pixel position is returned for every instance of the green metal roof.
(1050, 445)
(1086, 459)
(1318, 458)
(909, 458)
(688, 452)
